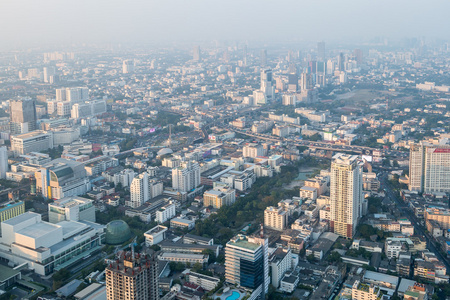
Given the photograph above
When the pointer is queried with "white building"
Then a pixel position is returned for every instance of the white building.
(3, 162)
(32, 141)
(71, 209)
(345, 194)
(46, 247)
(155, 235)
(280, 262)
(186, 177)
(166, 213)
(307, 192)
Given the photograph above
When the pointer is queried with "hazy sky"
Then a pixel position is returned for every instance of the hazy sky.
(24, 22)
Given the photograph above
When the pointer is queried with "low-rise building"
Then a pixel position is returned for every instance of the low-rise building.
(155, 235)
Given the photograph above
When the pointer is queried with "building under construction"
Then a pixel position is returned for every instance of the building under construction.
(132, 276)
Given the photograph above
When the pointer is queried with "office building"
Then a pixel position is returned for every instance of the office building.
(341, 62)
(186, 177)
(428, 168)
(263, 58)
(23, 116)
(345, 194)
(62, 178)
(358, 54)
(275, 218)
(143, 188)
(31, 142)
(321, 51)
(3, 162)
(132, 276)
(128, 66)
(88, 109)
(267, 85)
(197, 54)
(155, 235)
(71, 209)
(247, 263)
(45, 247)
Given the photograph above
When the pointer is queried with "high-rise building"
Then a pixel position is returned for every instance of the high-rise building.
(263, 58)
(345, 194)
(275, 218)
(72, 95)
(292, 82)
(428, 168)
(306, 81)
(132, 276)
(267, 84)
(321, 51)
(358, 54)
(23, 116)
(186, 177)
(197, 54)
(3, 162)
(128, 66)
(143, 188)
(247, 264)
(48, 73)
(341, 62)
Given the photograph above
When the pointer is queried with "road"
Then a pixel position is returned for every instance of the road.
(418, 229)
(323, 145)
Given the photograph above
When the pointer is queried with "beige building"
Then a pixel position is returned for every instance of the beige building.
(219, 196)
(362, 291)
(441, 216)
(275, 218)
(345, 194)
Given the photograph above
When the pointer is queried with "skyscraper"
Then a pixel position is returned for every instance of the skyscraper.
(263, 58)
(429, 167)
(321, 51)
(267, 84)
(23, 116)
(128, 66)
(358, 54)
(132, 276)
(345, 194)
(186, 177)
(197, 54)
(3, 162)
(139, 190)
(246, 263)
(341, 62)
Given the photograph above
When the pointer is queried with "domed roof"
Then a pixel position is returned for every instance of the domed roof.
(165, 151)
(117, 232)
